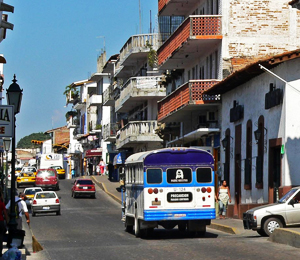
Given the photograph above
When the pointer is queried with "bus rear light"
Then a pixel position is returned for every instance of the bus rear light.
(150, 191)
(198, 189)
(161, 190)
(156, 199)
(203, 190)
(155, 190)
(203, 198)
(208, 189)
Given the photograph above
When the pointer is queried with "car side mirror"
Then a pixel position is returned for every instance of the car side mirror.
(292, 202)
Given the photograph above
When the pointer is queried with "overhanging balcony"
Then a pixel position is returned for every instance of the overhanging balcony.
(95, 100)
(109, 132)
(136, 132)
(136, 91)
(108, 99)
(133, 51)
(175, 7)
(194, 38)
(187, 97)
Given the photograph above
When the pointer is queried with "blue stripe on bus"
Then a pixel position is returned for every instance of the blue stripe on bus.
(159, 215)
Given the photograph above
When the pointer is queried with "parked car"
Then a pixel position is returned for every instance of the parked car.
(47, 178)
(60, 171)
(83, 187)
(45, 202)
(265, 219)
(26, 178)
(30, 192)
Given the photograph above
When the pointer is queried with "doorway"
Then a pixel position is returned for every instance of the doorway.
(274, 173)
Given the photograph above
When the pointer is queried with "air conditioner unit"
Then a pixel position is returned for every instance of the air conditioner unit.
(211, 116)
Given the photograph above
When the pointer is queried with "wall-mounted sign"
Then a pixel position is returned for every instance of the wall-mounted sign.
(7, 121)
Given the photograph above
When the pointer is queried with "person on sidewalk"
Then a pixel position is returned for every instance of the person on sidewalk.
(223, 196)
(3, 216)
(22, 208)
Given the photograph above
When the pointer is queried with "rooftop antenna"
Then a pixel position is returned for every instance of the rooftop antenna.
(150, 23)
(140, 16)
(103, 41)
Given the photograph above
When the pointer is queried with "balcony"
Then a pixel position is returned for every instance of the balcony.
(175, 7)
(136, 91)
(193, 39)
(108, 97)
(95, 100)
(109, 132)
(187, 97)
(73, 122)
(136, 132)
(133, 51)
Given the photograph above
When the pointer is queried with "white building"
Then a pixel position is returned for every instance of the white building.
(261, 130)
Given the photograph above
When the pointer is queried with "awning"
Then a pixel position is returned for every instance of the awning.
(93, 152)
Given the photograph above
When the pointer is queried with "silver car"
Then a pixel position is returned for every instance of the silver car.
(265, 219)
(45, 202)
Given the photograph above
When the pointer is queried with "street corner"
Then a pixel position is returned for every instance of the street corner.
(224, 228)
(286, 237)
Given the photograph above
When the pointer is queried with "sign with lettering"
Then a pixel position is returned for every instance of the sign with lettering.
(7, 121)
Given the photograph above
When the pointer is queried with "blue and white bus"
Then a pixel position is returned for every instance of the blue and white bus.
(169, 187)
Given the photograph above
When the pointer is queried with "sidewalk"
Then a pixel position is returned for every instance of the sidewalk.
(289, 236)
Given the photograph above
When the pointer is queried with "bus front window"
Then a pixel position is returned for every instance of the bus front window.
(154, 176)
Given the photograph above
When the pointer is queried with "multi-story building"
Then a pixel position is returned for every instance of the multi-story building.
(213, 39)
(133, 94)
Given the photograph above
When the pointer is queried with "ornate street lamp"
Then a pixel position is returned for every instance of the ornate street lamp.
(14, 97)
(6, 144)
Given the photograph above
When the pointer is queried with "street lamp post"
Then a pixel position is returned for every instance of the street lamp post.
(6, 144)
(14, 97)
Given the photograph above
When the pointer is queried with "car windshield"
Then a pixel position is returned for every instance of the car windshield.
(287, 196)
(45, 173)
(85, 182)
(48, 195)
(32, 191)
(29, 170)
(18, 169)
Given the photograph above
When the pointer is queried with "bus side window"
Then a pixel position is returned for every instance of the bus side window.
(204, 175)
(126, 175)
(134, 174)
(154, 176)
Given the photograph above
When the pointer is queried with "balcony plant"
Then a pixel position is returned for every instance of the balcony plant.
(73, 90)
(70, 114)
(152, 56)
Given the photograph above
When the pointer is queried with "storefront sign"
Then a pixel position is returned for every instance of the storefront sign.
(6, 121)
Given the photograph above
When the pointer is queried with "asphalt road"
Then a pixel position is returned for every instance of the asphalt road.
(91, 229)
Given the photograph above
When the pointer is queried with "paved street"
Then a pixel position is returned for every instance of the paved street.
(91, 229)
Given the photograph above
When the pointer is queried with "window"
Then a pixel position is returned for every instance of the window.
(179, 175)
(204, 175)
(154, 176)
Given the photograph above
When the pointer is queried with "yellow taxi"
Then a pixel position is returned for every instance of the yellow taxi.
(26, 179)
(18, 170)
(60, 171)
(29, 169)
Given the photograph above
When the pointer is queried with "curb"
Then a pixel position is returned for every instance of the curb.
(286, 237)
(103, 187)
(223, 228)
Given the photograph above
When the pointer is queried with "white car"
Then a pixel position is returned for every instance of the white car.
(45, 202)
(17, 174)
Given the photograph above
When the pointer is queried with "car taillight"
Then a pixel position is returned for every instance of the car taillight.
(57, 201)
(77, 185)
(34, 202)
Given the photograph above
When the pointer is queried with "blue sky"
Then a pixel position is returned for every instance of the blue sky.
(55, 43)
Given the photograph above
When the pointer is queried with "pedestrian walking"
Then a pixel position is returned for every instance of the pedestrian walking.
(223, 196)
(21, 208)
(102, 166)
(3, 222)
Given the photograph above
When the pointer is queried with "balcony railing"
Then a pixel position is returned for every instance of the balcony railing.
(137, 132)
(200, 27)
(108, 98)
(109, 132)
(137, 44)
(189, 93)
(95, 100)
(140, 87)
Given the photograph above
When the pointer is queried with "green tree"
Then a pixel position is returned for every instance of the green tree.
(25, 142)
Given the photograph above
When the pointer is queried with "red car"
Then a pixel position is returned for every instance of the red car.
(47, 178)
(83, 187)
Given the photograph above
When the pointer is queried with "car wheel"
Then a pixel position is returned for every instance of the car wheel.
(72, 195)
(75, 195)
(33, 213)
(128, 228)
(271, 224)
(93, 196)
(58, 213)
(137, 230)
(18, 186)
